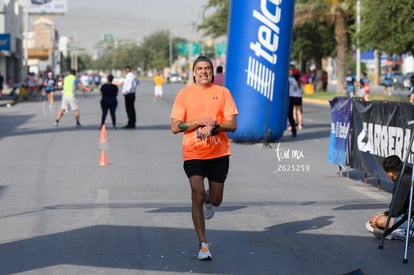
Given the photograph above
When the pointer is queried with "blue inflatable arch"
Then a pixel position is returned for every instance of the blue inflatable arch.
(257, 67)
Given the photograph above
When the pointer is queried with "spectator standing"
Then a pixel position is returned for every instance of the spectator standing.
(158, 86)
(324, 81)
(39, 88)
(219, 77)
(109, 92)
(204, 113)
(364, 83)
(128, 90)
(31, 84)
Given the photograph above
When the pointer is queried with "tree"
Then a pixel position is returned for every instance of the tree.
(216, 23)
(152, 53)
(338, 13)
(387, 26)
(312, 41)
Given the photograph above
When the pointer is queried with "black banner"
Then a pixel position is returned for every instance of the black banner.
(379, 129)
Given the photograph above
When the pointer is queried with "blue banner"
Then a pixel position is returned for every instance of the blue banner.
(340, 121)
(257, 67)
(5, 42)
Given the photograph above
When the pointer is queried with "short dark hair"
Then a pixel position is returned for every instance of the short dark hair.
(128, 67)
(110, 77)
(219, 69)
(206, 59)
(392, 164)
(73, 71)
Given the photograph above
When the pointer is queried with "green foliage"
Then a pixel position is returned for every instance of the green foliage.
(312, 41)
(152, 53)
(216, 23)
(387, 26)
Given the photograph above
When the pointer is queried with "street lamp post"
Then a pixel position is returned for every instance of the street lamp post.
(358, 50)
(25, 40)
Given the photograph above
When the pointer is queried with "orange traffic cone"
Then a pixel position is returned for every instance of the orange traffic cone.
(102, 139)
(103, 161)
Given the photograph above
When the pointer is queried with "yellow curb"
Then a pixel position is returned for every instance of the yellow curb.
(316, 101)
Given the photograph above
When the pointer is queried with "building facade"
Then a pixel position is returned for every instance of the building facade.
(11, 60)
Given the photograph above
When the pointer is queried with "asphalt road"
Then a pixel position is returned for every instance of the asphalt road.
(62, 213)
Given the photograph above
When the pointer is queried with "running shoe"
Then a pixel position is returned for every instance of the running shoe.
(208, 210)
(204, 253)
(56, 124)
(369, 227)
(78, 125)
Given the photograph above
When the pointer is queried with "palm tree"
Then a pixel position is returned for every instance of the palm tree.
(335, 12)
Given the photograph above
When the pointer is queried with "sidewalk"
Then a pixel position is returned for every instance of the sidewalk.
(7, 100)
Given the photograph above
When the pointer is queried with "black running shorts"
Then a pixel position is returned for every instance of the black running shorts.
(214, 169)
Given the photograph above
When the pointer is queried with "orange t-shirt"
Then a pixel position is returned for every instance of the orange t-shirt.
(194, 102)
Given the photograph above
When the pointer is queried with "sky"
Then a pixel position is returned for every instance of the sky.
(87, 20)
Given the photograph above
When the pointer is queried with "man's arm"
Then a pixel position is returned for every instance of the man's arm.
(229, 124)
(178, 126)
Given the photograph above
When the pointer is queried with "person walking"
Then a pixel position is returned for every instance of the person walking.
(364, 84)
(109, 92)
(128, 90)
(84, 79)
(204, 112)
(350, 83)
(158, 83)
(70, 82)
(295, 103)
(388, 82)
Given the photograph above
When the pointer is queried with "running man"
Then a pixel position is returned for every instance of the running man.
(70, 83)
(204, 112)
(50, 87)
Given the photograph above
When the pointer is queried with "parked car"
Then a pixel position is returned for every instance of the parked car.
(407, 81)
(40, 2)
(174, 78)
(397, 79)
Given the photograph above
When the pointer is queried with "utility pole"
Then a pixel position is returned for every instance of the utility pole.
(25, 40)
(170, 52)
(358, 50)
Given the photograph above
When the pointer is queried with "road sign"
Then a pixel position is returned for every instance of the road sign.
(221, 49)
(196, 48)
(186, 48)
